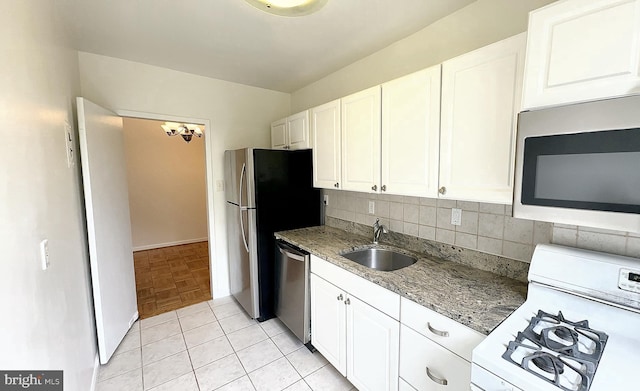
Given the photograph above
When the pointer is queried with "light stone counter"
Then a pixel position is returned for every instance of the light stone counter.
(476, 298)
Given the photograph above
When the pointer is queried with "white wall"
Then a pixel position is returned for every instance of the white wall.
(167, 186)
(239, 116)
(46, 319)
(477, 25)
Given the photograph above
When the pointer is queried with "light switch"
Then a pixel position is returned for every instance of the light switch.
(326, 199)
(372, 207)
(44, 254)
(219, 185)
(456, 216)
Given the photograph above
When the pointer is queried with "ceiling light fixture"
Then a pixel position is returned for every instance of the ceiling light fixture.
(288, 7)
(187, 131)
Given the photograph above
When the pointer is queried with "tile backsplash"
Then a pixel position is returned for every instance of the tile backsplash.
(614, 242)
(484, 227)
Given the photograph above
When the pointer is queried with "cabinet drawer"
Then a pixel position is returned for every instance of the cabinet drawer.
(425, 365)
(447, 332)
(385, 300)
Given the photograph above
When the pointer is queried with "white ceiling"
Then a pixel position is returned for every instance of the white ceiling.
(231, 40)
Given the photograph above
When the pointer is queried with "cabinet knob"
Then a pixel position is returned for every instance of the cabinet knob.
(340, 297)
(435, 379)
(437, 332)
(442, 190)
(336, 185)
(374, 187)
(347, 302)
(384, 188)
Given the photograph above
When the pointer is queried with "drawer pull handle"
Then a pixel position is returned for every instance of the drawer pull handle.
(437, 332)
(435, 379)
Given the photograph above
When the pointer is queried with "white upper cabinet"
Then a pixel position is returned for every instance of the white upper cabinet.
(291, 132)
(298, 130)
(279, 139)
(361, 141)
(326, 138)
(481, 96)
(582, 50)
(411, 133)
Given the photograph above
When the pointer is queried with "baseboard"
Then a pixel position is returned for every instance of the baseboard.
(169, 244)
(133, 319)
(96, 368)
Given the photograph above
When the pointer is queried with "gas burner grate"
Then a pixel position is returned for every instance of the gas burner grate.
(554, 352)
(569, 332)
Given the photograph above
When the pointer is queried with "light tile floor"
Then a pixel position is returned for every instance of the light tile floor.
(214, 345)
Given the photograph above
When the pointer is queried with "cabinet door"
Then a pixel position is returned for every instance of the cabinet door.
(325, 136)
(481, 94)
(426, 365)
(582, 50)
(298, 130)
(372, 347)
(279, 134)
(411, 133)
(361, 141)
(328, 316)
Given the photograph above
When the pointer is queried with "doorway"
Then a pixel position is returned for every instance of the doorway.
(168, 206)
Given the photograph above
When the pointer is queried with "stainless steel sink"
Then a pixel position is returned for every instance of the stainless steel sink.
(380, 259)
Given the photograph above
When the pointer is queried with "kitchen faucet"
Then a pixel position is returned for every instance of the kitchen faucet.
(377, 230)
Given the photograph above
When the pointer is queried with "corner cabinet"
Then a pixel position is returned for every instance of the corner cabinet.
(358, 335)
(325, 130)
(361, 140)
(481, 96)
(291, 132)
(582, 50)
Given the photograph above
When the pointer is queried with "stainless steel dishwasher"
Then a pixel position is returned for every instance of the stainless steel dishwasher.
(293, 307)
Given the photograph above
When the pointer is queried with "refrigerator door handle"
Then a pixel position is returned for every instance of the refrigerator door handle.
(242, 208)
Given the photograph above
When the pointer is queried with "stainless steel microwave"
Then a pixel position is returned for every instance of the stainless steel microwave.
(580, 164)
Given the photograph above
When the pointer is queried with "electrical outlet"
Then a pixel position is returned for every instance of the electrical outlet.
(44, 254)
(372, 207)
(326, 199)
(456, 216)
(68, 139)
(219, 185)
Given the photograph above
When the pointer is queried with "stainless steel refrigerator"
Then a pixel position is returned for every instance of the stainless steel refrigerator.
(266, 191)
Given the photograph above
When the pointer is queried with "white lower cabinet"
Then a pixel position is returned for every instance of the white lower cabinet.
(380, 341)
(360, 341)
(427, 366)
(372, 347)
(328, 320)
(404, 386)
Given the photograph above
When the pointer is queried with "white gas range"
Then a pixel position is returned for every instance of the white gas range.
(578, 330)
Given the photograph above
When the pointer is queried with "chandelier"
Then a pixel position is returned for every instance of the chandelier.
(187, 131)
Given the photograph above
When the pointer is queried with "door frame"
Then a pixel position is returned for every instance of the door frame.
(209, 184)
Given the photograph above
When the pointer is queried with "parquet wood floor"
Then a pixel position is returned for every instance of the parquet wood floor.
(169, 278)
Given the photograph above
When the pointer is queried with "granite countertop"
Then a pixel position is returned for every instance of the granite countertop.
(478, 299)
